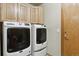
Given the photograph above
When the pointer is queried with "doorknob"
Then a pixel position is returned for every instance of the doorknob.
(66, 35)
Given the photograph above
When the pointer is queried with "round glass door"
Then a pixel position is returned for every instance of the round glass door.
(17, 39)
(41, 35)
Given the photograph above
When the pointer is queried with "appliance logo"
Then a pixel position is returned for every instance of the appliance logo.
(20, 51)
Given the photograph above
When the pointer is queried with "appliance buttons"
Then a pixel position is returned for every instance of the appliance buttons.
(29, 51)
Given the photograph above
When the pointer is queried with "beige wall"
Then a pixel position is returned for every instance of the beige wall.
(52, 16)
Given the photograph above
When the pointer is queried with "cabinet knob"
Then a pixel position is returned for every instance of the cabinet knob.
(66, 36)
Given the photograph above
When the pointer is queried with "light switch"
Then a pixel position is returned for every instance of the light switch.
(58, 30)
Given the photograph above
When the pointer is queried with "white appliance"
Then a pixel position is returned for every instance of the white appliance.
(15, 39)
(39, 41)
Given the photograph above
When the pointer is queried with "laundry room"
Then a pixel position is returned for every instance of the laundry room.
(39, 29)
(30, 29)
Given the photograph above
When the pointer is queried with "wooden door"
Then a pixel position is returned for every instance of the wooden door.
(8, 12)
(23, 13)
(37, 15)
(70, 29)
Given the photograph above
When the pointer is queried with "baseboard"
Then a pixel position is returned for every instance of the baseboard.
(49, 54)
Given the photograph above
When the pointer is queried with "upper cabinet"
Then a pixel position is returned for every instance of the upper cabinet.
(40, 15)
(8, 11)
(21, 12)
(24, 13)
(36, 14)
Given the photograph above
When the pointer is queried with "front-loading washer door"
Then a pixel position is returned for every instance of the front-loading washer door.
(41, 35)
(17, 39)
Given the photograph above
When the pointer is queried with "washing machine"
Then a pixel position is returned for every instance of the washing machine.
(39, 39)
(15, 39)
